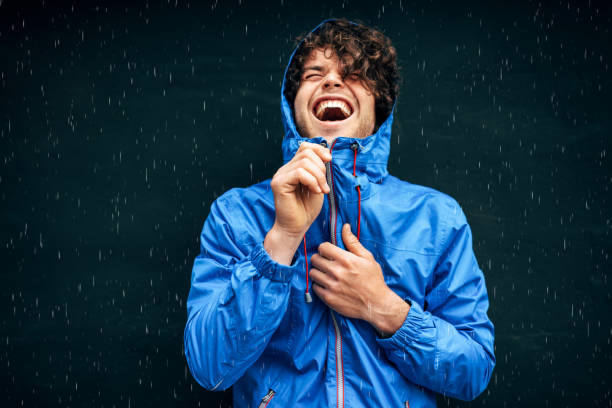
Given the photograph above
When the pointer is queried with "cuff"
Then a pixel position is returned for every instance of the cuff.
(269, 268)
(416, 321)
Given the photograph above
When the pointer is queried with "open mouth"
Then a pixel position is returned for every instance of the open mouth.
(328, 110)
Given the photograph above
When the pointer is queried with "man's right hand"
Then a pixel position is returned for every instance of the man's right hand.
(298, 187)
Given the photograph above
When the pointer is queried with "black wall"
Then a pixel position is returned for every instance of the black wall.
(120, 123)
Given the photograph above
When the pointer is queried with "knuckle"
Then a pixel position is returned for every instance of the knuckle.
(311, 153)
(307, 146)
(348, 263)
(339, 286)
(314, 156)
(334, 286)
(275, 181)
(304, 162)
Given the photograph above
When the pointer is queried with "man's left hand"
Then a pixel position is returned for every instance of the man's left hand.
(352, 283)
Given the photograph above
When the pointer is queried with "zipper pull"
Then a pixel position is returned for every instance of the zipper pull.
(266, 399)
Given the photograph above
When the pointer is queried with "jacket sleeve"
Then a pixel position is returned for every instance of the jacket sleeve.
(448, 347)
(237, 299)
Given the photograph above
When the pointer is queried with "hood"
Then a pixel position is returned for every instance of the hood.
(373, 150)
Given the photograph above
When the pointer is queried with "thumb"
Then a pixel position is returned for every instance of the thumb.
(351, 242)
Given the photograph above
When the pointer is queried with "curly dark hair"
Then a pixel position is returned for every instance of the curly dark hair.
(360, 49)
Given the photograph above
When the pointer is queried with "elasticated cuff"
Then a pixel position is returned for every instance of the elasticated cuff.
(412, 326)
(269, 268)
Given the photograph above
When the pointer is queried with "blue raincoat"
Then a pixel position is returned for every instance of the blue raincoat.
(249, 325)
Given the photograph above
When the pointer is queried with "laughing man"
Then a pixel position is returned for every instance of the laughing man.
(334, 283)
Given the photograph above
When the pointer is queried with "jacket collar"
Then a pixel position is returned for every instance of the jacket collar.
(373, 152)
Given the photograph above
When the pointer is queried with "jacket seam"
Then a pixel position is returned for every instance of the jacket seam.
(446, 238)
(446, 229)
(437, 253)
(263, 196)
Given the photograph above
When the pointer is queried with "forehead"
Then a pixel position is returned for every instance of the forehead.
(320, 56)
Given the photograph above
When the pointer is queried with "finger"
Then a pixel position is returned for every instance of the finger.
(301, 176)
(308, 164)
(332, 252)
(322, 264)
(321, 151)
(352, 244)
(321, 278)
(314, 158)
(322, 293)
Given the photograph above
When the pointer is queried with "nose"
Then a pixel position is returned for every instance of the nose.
(333, 80)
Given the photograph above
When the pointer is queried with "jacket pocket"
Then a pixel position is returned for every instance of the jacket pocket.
(266, 399)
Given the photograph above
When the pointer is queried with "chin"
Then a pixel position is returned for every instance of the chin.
(310, 126)
(333, 129)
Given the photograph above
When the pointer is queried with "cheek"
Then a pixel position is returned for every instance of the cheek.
(372, 106)
(371, 102)
(368, 106)
(366, 101)
(299, 104)
(301, 98)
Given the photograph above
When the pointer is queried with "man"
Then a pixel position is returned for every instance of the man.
(399, 305)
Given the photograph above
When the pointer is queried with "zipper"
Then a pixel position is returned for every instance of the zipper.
(339, 364)
(333, 220)
(333, 215)
(332, 203)
(266, 399)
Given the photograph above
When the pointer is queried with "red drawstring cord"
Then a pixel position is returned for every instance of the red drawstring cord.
(355, 147)
(307, 294)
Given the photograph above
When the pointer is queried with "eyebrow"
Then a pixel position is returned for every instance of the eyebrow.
(313, 68)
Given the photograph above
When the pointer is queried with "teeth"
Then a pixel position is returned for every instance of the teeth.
(333, 103)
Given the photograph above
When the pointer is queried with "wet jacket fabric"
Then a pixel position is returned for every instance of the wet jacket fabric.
(249, 325)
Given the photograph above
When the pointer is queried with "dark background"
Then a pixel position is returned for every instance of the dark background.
(120, 123)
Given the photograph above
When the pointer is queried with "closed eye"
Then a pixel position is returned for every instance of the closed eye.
(312, 76)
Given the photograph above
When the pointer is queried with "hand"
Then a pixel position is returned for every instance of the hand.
(352, 283)
(299, 188)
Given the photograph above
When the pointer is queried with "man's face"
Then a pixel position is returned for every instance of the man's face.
(327, 105)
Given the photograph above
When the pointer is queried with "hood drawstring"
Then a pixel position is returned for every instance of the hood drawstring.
(354, 148)
(307, 295)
